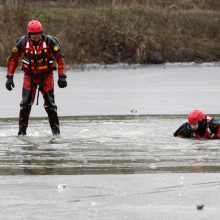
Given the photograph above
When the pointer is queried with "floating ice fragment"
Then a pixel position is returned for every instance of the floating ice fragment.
(200, 206)
(153, 166)
(61, 186)
(181, 179)
(133, 111)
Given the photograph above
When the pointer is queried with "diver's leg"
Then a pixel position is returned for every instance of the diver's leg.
(28, 94)
(49, 104)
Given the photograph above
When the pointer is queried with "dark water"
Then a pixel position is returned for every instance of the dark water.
(104, 145)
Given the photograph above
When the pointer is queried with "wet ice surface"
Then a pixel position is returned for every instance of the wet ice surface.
(108, 197)
(105, 145)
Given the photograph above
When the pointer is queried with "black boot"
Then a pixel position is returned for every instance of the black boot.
(23, 119)
(25, 109)
(54, 120)
(51, 110)
(21, 133)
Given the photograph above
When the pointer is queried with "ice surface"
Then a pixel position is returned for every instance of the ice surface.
(122, 90)
(108, 197)
(153, 89)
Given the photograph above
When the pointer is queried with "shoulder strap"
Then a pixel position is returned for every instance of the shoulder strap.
(53, 43)
(21, 41)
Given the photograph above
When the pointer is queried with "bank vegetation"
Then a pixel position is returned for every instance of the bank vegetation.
(113, 31)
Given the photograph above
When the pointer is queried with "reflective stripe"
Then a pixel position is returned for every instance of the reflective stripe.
(40, 68)
(25, 61)
(43, 67)
(27, 45)
(210, 134)
(38, 61)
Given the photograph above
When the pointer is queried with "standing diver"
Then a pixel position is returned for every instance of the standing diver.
(38, 52)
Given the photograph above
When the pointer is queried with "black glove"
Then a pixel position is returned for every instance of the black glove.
(9, 83)
(62, 83)
(184, 130)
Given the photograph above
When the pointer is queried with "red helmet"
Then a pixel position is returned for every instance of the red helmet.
(34, 26)
(196, 116)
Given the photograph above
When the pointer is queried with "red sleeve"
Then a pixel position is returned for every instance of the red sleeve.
(14, 57)
(12, 64)
(57, 53)
(218, 132)
(60, 63)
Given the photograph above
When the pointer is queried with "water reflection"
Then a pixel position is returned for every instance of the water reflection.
(104, 145)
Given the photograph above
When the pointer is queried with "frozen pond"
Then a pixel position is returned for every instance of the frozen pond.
(151, 174)
(105, 145)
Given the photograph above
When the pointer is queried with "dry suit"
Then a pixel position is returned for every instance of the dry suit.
(208, 128)
(38, 62)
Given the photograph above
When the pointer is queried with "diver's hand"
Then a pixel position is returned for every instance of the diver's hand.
(62, 83)
(9, 83)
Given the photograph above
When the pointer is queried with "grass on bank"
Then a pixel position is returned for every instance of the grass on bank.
(131, 33)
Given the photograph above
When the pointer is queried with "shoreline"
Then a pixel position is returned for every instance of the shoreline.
(133, 32)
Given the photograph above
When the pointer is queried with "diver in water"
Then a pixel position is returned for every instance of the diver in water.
(199, 126)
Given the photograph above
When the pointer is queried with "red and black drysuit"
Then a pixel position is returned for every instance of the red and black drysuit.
(37, 64)
(208, 128)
